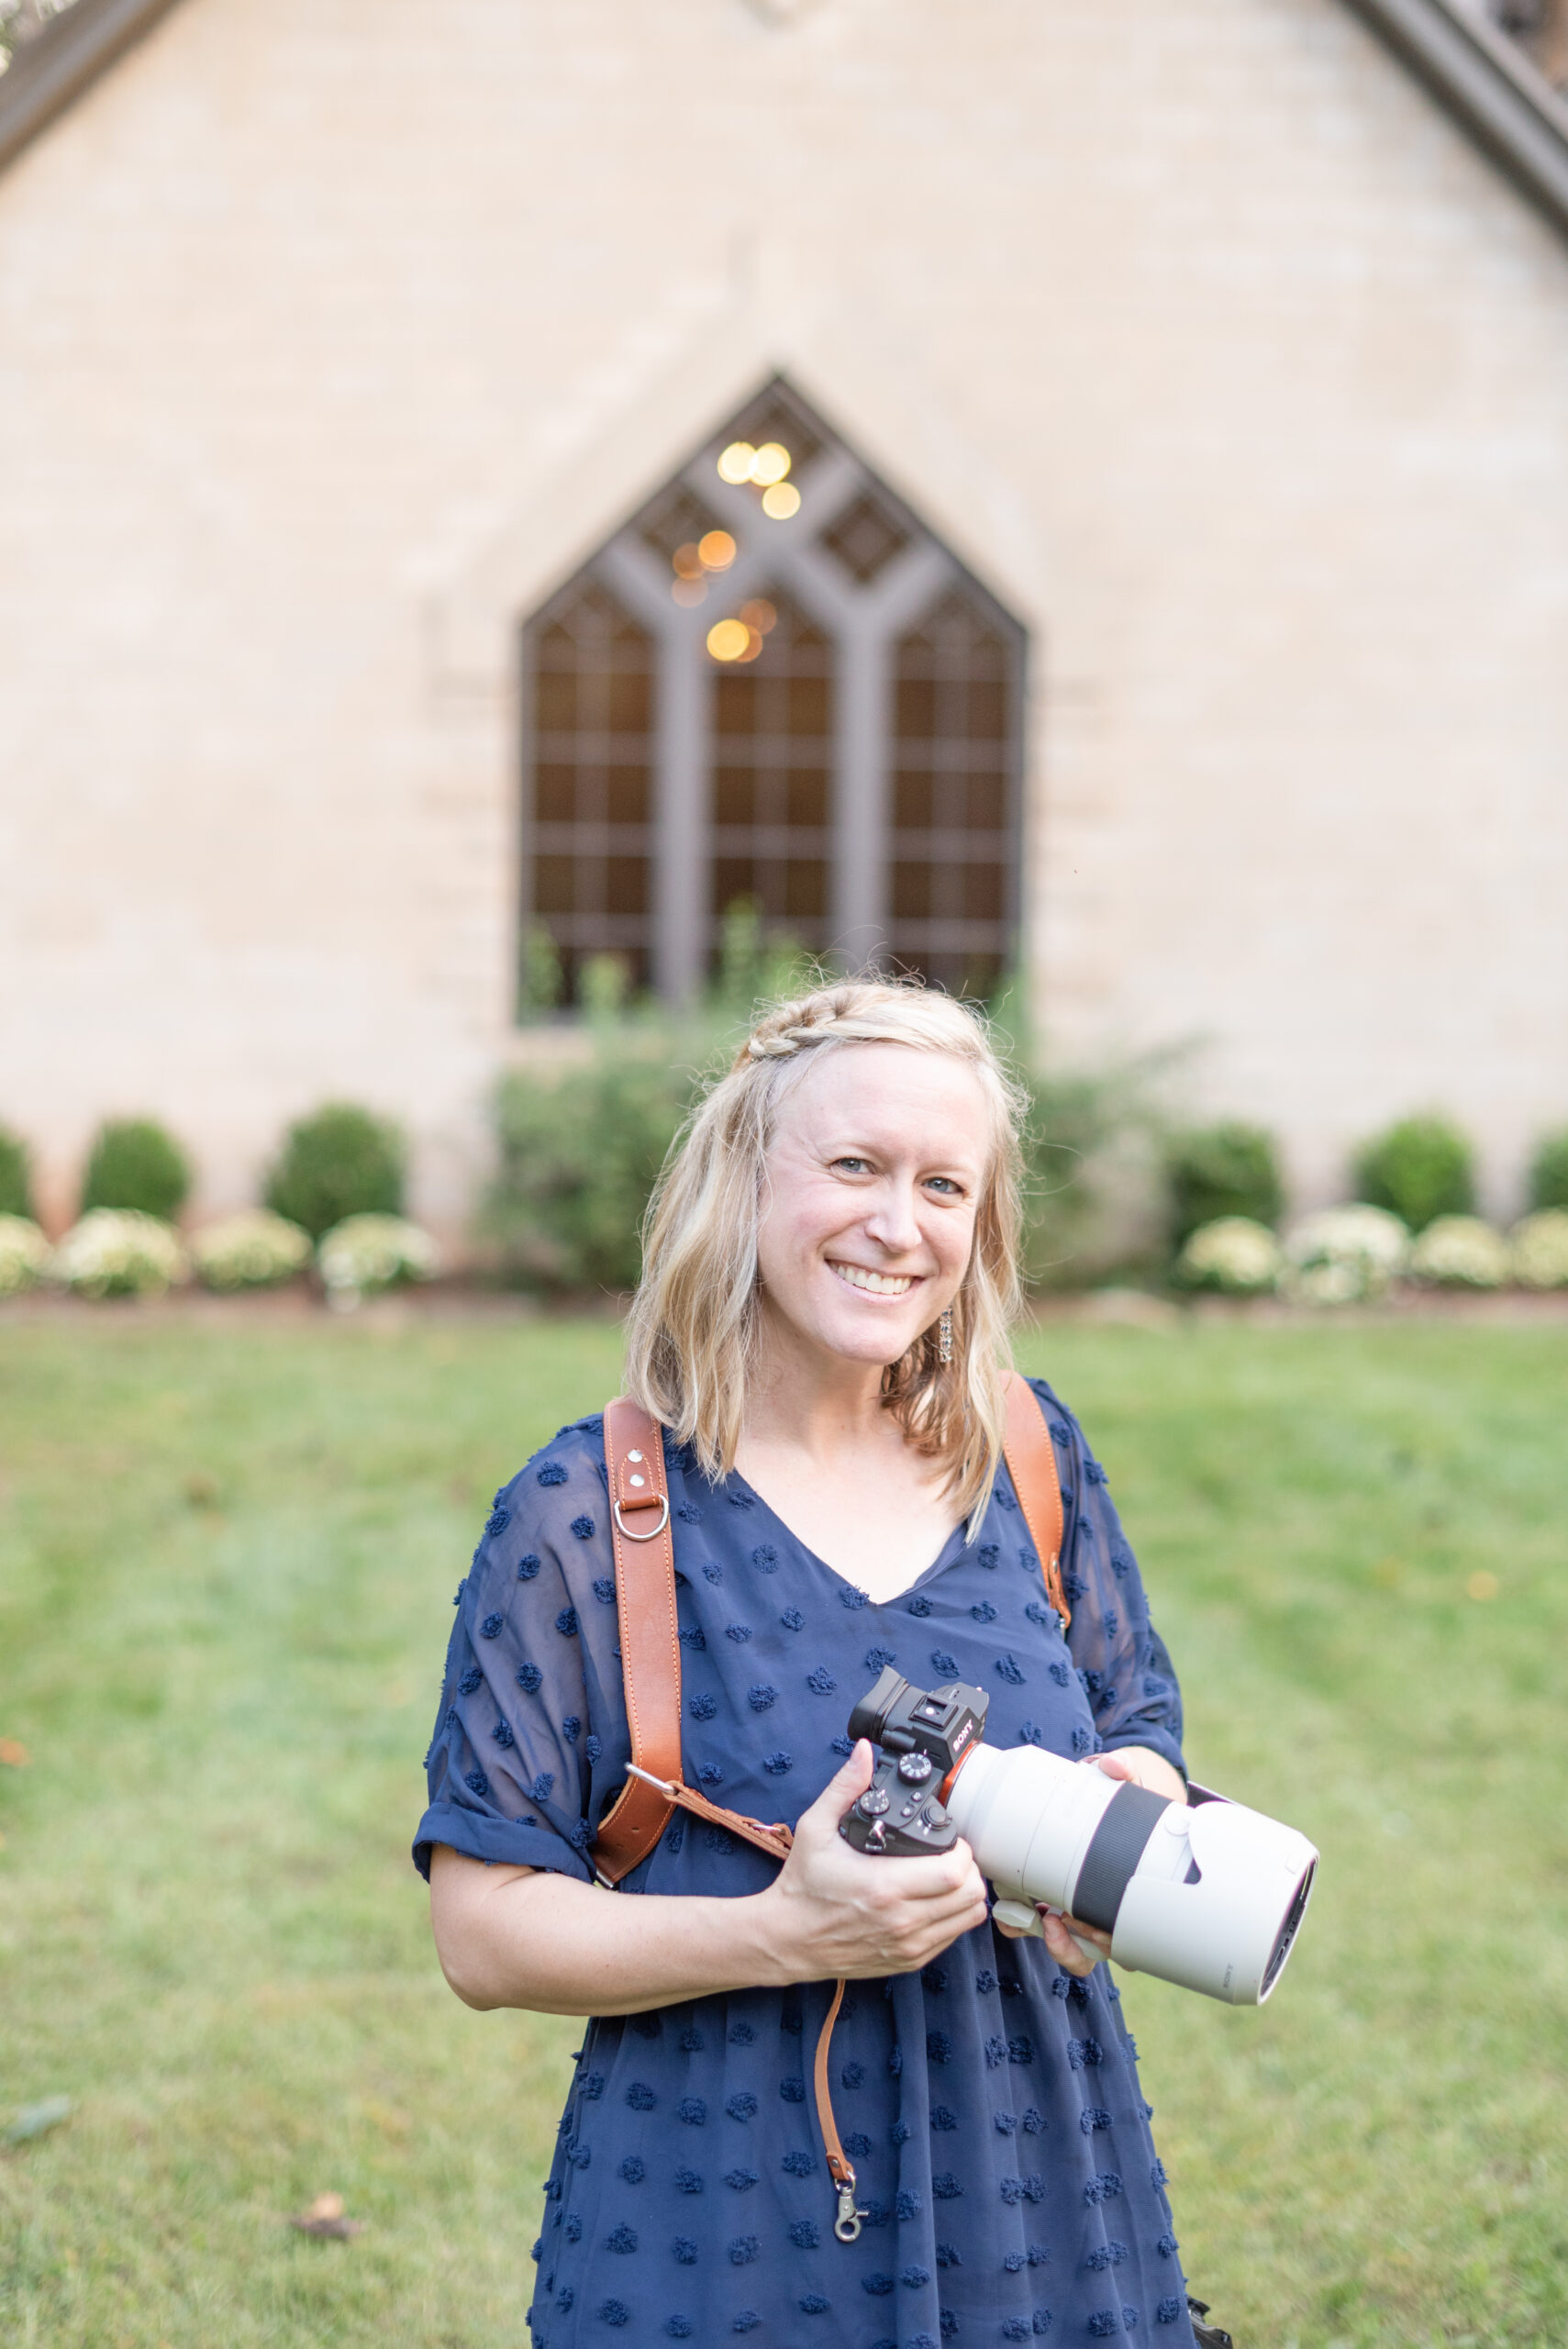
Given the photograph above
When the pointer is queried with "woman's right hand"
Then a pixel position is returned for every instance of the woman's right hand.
(833, 1910)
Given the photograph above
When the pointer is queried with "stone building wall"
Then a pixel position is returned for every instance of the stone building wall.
(333, 333)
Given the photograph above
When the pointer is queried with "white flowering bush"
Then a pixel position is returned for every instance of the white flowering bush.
(120, 1252)
(1344, 1255)
(24, 1253)
(373, 1252)
(1461, 1251)
(1538, 1250)
(1232, 1253)
(250, 1251)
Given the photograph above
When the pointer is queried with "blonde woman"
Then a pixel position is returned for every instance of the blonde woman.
(830, 1271)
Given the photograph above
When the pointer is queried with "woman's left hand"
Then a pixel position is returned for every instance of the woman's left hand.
(1143, 1767)
(1064, 1936)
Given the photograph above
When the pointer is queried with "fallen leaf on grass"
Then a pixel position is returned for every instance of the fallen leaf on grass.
(13, 1750)
(37, 2120)
(325, 2217)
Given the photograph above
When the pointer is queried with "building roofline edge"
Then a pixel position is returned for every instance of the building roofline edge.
(1487, 83)
(61, 62)
(1481, 76)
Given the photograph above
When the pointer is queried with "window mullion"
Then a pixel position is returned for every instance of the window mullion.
(682, 761)
(862, 828)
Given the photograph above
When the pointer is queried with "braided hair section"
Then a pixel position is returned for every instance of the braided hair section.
(837, 1014)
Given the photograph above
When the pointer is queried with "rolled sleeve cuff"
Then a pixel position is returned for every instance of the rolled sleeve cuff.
(1156, 1741)
(481, 1836)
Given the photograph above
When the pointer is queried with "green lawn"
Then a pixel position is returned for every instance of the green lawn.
(226, 1556)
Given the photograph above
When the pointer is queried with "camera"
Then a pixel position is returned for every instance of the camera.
(1206, 1894)
(924, 1734)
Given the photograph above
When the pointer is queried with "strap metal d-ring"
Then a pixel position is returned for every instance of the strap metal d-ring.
(654, 1532)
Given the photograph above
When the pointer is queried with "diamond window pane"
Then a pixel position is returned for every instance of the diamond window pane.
(677, 518)
(865, 537)
(779, 414)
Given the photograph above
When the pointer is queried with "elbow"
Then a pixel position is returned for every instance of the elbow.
(463, 1960)
(466, 1974)
(473, 1992)
(486, 1946)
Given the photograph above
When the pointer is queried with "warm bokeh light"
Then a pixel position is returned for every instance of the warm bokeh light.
(735, 464)
(780, 501)
(759, 614)
(717, 550)
(753, 646)
(687, 563)
(770, 463)
(730, 639)
(689, 592)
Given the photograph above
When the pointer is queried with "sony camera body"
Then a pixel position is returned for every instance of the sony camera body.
(1206, 1892)
(924, 1734)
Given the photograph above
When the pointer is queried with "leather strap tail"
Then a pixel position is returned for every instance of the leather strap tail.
(847, 2225)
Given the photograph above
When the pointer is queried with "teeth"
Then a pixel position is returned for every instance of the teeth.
(879, 1284)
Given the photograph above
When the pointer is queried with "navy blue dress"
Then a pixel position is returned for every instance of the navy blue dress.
(990, 2103)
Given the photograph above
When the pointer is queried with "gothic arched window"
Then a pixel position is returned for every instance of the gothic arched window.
(773, 683)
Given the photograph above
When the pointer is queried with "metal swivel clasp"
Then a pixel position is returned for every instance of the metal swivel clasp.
(847, 2225)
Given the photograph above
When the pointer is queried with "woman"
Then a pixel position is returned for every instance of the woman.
(830, 1269)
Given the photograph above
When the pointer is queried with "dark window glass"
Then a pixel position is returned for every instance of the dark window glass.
(588, 841)
(772, 752)
(953, 881)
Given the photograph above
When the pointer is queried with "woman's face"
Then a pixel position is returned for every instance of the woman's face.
(874, 1180)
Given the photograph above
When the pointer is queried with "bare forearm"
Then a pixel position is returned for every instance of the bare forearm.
(514, 1939)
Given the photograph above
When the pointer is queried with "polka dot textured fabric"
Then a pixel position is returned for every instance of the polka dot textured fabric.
(990, 2104)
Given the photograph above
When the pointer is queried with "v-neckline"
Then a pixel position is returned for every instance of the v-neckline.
(938, 1564)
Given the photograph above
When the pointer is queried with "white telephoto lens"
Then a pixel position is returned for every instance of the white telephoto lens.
(1207, 1894)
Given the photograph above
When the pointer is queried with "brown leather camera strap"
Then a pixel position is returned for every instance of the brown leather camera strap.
(650, 1671)
(1030, 1455)
(650, 1640)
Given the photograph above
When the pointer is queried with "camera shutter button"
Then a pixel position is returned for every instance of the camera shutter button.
(915, 1769)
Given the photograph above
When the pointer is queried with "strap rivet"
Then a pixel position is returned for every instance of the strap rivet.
(638, 1481)
(634, 1455)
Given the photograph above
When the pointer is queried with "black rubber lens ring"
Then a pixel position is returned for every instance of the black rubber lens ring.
(1111, 1861)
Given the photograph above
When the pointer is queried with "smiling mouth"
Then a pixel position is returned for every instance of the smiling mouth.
(875, 1284)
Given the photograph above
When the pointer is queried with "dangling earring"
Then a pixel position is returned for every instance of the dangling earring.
(944, 1335)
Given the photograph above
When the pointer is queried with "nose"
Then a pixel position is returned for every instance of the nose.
(893, 1223)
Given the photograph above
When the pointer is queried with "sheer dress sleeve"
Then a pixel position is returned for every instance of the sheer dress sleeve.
(1120, 1658)
(510, 1764)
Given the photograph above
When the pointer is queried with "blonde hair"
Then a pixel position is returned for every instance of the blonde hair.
(693, 1327)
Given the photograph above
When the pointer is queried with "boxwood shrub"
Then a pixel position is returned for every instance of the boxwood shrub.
(1420, 1168)
(136, 1162)
(16, 1185)
(1221, 1170)
(1548, 1171)
(339, 1161)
